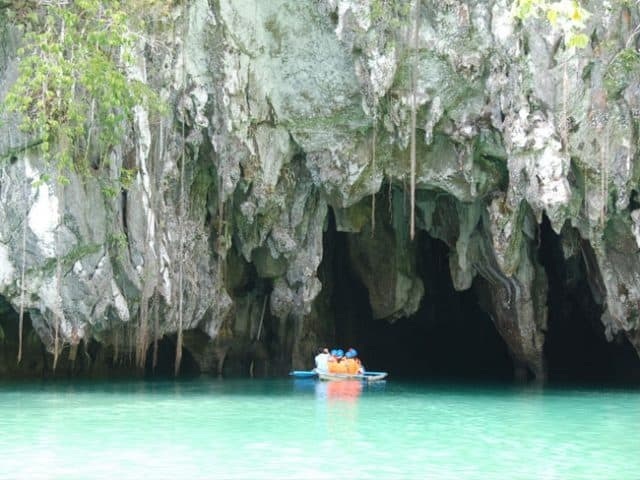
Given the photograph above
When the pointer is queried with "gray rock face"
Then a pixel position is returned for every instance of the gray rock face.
(285, 110)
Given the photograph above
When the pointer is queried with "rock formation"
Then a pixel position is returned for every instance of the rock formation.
(288, 113)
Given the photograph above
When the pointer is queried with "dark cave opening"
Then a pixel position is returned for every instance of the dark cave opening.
(34, 360)
(576, 349)
(448, 338)
(167, 358)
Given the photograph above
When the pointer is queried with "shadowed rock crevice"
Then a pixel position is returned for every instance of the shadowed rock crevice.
(166, 360)
(576, 348)
(33, 362)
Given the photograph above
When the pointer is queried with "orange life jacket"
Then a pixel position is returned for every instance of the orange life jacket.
(352, 365)
(337, 367)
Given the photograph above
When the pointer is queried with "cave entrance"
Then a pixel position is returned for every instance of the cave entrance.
(448, 338)
(576, 349)
(33, 352)
(167, 359)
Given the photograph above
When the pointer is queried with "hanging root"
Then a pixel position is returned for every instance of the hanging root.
(373, 163)
(56, 343)
(412, 228)
(156, 332)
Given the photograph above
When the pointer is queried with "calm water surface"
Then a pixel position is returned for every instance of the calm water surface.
(286, 429)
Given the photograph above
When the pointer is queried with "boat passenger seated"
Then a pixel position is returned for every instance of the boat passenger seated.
(322, 360)
(337, 365)
(352, 362)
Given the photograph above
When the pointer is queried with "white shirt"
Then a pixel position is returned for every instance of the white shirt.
(322, 362)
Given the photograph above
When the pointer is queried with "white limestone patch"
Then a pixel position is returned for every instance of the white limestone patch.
(119, 302)
(142, 177)
(143, 137)
(200, 97)
(7, 269)
(201, 19)
(553, 187)
(43, 219)
(536, 154)
(635, 216)
(275, 150)
(78, 269)
(49, 296)
(354, 171)
(356, 10)
(503, 24)
(382, 68)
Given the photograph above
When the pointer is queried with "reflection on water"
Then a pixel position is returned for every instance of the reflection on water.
(346, 390)
(337, 408)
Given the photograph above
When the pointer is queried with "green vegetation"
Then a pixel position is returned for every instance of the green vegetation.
(565, 15)
(621, 71)
(118, 243)
(76, 253)
(73, 92)
(392, 12)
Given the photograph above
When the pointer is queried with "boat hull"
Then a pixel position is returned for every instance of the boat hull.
(366, 377)
(304, 374)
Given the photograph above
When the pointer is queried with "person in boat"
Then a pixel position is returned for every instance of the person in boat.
(336, 364)
(322, 360)
(352, 362)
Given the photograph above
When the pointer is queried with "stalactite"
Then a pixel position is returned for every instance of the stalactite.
(142, 330)
(73, 352)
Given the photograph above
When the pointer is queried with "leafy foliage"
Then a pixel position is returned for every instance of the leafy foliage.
(565, 15)
(621, 71)
(73, 91)
(390, 11)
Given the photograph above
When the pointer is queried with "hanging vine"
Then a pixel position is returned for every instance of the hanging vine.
(72, 77)
(59, 314)
(74, 96)
(23, 263)
(374, 140)
(181, 209)
(412, 183)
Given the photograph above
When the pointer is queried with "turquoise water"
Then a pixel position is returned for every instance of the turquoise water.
(285, 429)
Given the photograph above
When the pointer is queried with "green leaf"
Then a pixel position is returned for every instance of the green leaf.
(577, 40)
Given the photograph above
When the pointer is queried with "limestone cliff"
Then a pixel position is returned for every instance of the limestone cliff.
(287, 110)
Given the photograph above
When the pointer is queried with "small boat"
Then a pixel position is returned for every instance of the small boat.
(304, 373)
(366, 377)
